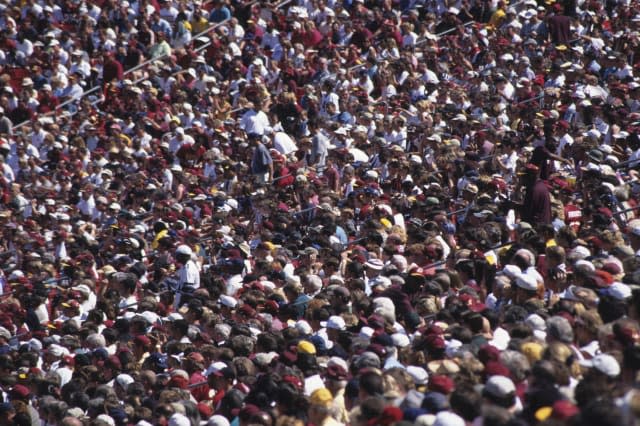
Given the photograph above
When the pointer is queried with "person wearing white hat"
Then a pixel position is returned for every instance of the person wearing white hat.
(188, 274)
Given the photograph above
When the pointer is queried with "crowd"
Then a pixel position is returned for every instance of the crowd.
(369, 212)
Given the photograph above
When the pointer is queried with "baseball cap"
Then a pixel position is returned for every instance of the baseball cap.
(499, 387)
(322, 397)
(336, 322)
(527, 282)
(604, 363)
(306, 347)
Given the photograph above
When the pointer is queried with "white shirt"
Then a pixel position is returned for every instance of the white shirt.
(189, 275)
(87, 207)
(283, 143)
(255, 122)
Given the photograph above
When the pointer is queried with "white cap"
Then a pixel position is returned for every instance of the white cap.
(228, 301)
(179, 420)
(527, 282)
(303, 327)
(447, 418)
(336, 322)
(419, 374)
(218, 420)
(604, 363)
(124, 380)
(619, 291)
(400, 340)
(184, 249)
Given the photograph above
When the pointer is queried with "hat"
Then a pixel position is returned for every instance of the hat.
(596, 155)
(227, 301)
(4, 333)
(336, 322)
(218, 420)
(472, 188)
(306, 347)
(321, 397)
(124, 380)
(400, 340)
(527, 282)
(178, 419)
(418, 374)
(20, 392)
(303, 327)
(375, 264)
(447, 418)
(441, 383)
(380, 280)
(604, 363)
(184, 249)
(560, 329)
(499, 387)
(367, 359)
(618, 290)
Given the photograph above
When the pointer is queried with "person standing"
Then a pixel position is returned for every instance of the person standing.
(261, 161)
(188, 274)
(537, 201)
(559, 26)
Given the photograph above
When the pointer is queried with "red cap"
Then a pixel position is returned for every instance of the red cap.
(564, 410)
(488, 353)
(142, 340)
(178, 382)
(435, 342)
(441, 383)
(20, 392)
(606, 277)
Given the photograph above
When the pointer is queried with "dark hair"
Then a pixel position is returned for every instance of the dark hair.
(371, 383)
(465, 402)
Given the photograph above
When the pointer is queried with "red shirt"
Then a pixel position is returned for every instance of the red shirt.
(572, 216)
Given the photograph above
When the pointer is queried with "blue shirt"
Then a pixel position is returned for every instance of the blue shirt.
(219, 15)
(162, 26)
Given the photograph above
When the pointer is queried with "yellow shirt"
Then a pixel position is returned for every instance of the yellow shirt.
(156, 240)
(497, 18)
(199, 25)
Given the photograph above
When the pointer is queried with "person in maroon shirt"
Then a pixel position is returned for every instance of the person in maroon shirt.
(111, 69)
(311, 37)
(536, 208)
(361, 36)
(559, 26)
(47, 101)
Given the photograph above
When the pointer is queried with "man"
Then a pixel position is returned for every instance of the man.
(261, 161)
(255, 120)
(220, 12)
(559, 26)
(320, 146)
(537, 201)
(188, 274)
